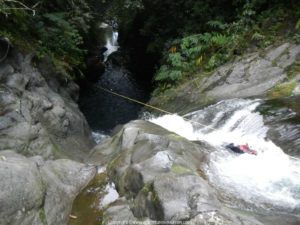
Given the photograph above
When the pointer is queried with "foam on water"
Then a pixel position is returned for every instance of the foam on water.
(271, 177)
(99, 136)
(110, 196)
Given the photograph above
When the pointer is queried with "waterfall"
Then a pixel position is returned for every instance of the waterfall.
(111, 40)
(103, 110)
(111, 44)
(269, 180)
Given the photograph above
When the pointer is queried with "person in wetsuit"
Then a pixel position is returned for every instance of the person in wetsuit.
(241, 149)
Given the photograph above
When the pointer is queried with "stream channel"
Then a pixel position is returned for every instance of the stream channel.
(247, 182)
(103, 110)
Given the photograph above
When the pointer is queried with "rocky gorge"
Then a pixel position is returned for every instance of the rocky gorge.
(48, 156)
(40, 124)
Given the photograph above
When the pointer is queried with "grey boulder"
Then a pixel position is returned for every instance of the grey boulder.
(38, 192)
(161, 176)
(38, 112)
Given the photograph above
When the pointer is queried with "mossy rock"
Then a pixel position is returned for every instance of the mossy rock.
(294, 69)
(42, 216)
(175, 137)
(178, 169)
(282, 90)
(148, 187)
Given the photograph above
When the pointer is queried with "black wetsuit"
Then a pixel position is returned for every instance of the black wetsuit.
(234, 148)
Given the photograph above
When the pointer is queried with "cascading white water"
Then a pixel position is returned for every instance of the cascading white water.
(270, 178)
(111, 44)
(111, 39)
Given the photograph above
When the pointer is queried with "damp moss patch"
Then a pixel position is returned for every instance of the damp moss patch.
(178, 169)
(282, 90)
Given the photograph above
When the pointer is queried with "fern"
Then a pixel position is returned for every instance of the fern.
(175, 59)
(192, 53)
(216, 24)
(257, 36)
(206, 37)
(219, 40)
(175, 75)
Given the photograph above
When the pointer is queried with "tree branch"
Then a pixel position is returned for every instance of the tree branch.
(23, 7)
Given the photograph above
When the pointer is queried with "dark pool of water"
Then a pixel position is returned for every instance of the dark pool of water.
(103, 110)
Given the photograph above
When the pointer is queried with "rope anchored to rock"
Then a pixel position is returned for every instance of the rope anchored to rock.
(150, 106)
(159, 109)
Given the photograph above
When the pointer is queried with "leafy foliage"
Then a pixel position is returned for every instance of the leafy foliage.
(59, 39)
(51, 27)
(194, 52)
(11, 6)
(186, 36)
(208, 50)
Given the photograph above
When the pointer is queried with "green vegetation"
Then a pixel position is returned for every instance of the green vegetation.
(181, 39)
(282, 90)
(294, 69)
(42, 216)
(56, 29)
(286, 89)
(199, 53)
(188, 54)
(148, 190)
(175, 137)
(178, 169)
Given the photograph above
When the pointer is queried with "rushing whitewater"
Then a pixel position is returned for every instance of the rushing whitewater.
(269, 180)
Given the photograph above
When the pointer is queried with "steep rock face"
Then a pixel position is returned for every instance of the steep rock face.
(252, 75)
(38, 115)
(38, 192)
(161, 176)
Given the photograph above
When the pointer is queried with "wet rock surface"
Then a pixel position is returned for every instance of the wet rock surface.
(38, 113)
(282, 116)
(34, 191)
(40, 121)
(159, 176)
